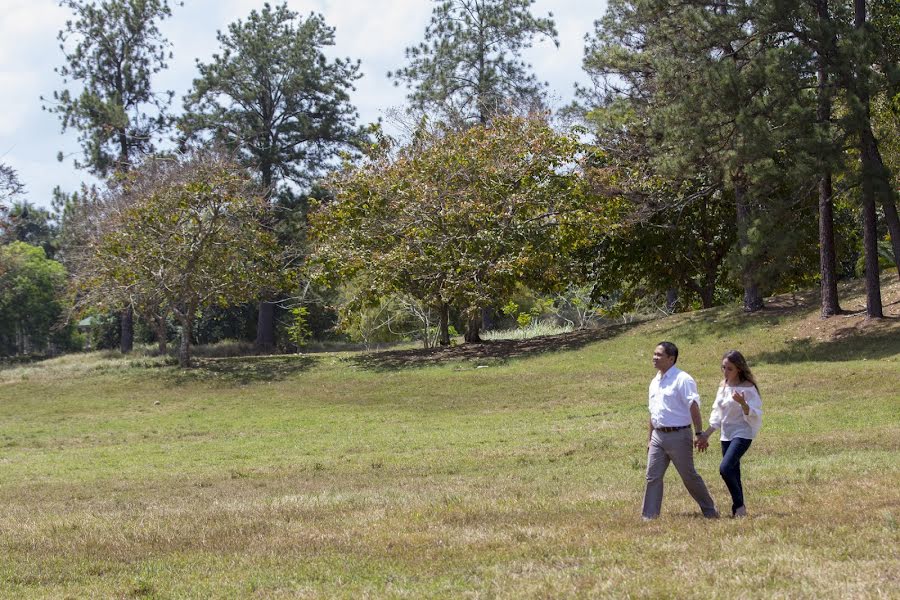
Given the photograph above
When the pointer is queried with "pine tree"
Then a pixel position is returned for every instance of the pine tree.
(469, 66)
(719, 95)
(117, 49)
(273, 97)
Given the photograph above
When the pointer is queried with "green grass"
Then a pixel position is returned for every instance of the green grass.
(346, 475)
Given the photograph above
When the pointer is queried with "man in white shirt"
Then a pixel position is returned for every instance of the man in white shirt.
(674, 404)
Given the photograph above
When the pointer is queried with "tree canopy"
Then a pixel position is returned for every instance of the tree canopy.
(469, 66)
(273, 96)
(31, 297)
(112, 50)
(181, 236)
(456, 218)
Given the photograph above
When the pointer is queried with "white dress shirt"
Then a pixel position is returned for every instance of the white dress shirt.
(728, 415)
(671, 395)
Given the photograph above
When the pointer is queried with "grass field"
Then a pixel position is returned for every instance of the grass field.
(514, 472)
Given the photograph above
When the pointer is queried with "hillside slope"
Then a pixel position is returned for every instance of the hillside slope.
(512, 471)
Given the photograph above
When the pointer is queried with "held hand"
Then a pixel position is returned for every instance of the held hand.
(701, 443)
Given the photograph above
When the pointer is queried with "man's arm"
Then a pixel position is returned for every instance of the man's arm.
(649, 431)
(700, 442)
(695, 417)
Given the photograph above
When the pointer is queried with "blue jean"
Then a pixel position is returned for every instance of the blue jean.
(730, 469)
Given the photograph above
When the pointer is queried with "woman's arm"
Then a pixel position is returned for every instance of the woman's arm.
(715, 416)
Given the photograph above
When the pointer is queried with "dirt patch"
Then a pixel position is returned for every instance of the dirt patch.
(852, 322)
(809, 335)
(488, 352)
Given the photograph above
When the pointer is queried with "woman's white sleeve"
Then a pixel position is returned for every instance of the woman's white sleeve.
(715, 416)
(754, 418)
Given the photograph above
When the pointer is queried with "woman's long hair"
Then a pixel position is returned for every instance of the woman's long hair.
(740, 363)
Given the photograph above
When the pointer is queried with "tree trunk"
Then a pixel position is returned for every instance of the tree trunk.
(888, 197)
(671, 299)
(20, 339)
(708, 294)
(487, 319)
(126, 339)
(893, 223)
(473, 326)
(870, 233)
(184, 347)
(265, 327)
(162, 333)
(867, 151)
(444, 339)
(827, 255)
(870, 245)
(752, 298)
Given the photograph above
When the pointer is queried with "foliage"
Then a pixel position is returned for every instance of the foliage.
(31, 299)
(675, 234)
(469, 65)
(299, 331)
(576, 308)
(33, 225)
(456, 218)
(724, 97)
(10, 186)
(182, 235)
(117, 50)
(525, 318)
(273, 96)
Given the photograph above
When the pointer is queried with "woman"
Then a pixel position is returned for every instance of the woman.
(737, 411)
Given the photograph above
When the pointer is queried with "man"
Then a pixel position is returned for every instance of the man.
(674, 404)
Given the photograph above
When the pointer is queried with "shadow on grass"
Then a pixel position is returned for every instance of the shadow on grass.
(243, 370)
(727, 320)
(493, 351)
(846, 345)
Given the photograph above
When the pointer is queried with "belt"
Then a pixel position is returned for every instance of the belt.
(671, 429)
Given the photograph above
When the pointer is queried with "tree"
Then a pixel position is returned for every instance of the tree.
(677, 242)
(10, 186)
(456, 218)
(722, 92)
(117, 49)
(31, 292)
(826, 50)
(885, 24)
(273, 97)
(32, 225)
(469, 65)
(187, 236)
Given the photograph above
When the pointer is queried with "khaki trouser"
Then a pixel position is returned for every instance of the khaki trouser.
(677, 447)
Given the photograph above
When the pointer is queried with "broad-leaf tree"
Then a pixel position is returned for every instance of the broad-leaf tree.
(273, 96)
(470, 64)
(31, 296)
(31, 224)
(188, 236)
(456, 218)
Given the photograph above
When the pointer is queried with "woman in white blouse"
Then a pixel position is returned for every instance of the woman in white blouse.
(737, 411)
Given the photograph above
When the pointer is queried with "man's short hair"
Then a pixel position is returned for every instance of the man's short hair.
(671, 349)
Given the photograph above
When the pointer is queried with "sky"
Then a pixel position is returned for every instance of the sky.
(374, 31)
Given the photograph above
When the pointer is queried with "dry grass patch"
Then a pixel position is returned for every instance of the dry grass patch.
(340, 477)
